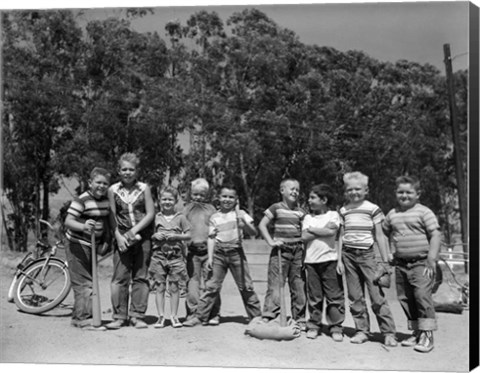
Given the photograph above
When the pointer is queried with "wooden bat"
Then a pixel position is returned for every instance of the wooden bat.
(283, 310)
(96, 311)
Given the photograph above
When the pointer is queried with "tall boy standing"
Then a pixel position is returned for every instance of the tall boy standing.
(286, 218)
(225, 252)
(361, 228)
(198, 213)
(415, 234)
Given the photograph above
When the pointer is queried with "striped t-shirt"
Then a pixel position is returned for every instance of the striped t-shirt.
(223, 226)
(358, 222)
(87, 207)
(410, 230)
(287, 222)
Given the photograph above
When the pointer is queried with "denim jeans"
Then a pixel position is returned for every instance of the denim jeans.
(292, 261)
(198, 275)
(131, 265)
(232, 259)
(79, 260)
(414, 292)
(360, 267)
(324, 283)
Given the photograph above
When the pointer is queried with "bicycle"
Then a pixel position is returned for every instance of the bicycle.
(41, 281)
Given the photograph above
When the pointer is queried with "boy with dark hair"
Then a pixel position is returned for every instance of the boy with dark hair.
(225, 252)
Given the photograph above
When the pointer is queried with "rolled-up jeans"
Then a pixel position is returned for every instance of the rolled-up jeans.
(131, 265)
(360, 266)
(292, 256)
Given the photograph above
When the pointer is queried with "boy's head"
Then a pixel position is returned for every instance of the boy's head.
(128, 167)
(356, 186)
(320, 195)
(290, 189)
(99, 182)
(407, 191)
(168, 199)
(228, 198)
(199, 190)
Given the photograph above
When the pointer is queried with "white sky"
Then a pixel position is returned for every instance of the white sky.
(388, 31)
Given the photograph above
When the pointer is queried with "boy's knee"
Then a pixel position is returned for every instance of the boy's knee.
(161, 287)
(173, 287)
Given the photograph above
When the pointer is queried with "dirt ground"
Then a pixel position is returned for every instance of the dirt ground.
(50, 339)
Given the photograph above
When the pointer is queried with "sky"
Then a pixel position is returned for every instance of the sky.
(388, 31)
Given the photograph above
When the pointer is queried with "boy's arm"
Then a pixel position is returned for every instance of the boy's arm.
(432, 257)
(340, 266)
(72, 223)
(329, 230)
(248, 225)
(210, 248)
(263, 228)
(382, 242)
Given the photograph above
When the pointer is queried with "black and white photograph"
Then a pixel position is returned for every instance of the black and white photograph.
(239, 185)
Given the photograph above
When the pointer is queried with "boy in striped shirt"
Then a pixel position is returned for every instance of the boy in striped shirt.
(286, 218)
(414, 232)
(225, 252)
(88, 213)
(361, 227)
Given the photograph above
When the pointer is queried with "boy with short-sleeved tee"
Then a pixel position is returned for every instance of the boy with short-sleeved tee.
(89, 212)
(414, 233)
(225, 252)
(286, 218)
(360, 229)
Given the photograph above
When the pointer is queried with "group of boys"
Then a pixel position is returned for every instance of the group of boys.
(215, 246)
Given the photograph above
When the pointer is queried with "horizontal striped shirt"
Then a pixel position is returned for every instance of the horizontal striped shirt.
(86, 207)
(287, 222)
(224, 227)
(358, 222)
(410, 230)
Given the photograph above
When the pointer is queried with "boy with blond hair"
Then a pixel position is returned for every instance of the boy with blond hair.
(286, 217)
(361, 227)
(198, 213)
(414, 232)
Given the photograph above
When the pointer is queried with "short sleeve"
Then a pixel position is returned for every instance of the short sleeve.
(335, 219)
(212, 227)
(184, 224)
(377, 215)
(271, 212)
(430, 221)
(246, 217)
(307, 222)
(386, 223)
(77, 207)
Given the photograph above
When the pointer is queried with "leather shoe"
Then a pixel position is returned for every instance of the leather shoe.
(425, 342)
(359, 338)
(138, 323)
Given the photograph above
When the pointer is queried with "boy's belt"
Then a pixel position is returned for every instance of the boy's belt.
(404, 261)
(292, 245)
(198, 249)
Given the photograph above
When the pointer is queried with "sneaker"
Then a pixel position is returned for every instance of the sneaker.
(115, 324)
(312, 333)
(175, 322)
(425, 342)
(359, 338)
(160, 322)
(390, 341)
(194, 321)
(138, 323)
(214, 321)
(94, 328)
(337, 336)
(410, 341)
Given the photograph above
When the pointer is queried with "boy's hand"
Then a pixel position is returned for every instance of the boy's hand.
(158, 236)
(209, 264)
(429, 270)
(170, 236)
(277, 243)
(121, 242)
(340, 267)
(331, 225)
(89, 226)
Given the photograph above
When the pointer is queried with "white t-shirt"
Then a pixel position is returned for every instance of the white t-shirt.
(321, 249)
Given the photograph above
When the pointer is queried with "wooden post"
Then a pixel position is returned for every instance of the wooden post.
(461, 184)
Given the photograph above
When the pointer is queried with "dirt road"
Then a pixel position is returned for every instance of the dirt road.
(50, 338)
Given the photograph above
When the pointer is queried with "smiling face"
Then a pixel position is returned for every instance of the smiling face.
(198, 194)
(227, 199)
(290, 191)
(355, 191)
(407, 196)
(167, 202)
(127, 172)
(99, 186)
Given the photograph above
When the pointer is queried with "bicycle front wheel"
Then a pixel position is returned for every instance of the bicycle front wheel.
(42, 286)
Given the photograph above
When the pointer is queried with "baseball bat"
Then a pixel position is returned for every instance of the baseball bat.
(283, 314)
(96, 312)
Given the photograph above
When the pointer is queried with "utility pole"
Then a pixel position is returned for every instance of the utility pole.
(461, 184)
